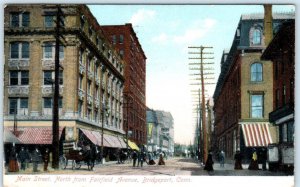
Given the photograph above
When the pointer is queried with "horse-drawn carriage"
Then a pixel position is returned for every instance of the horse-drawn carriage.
(77, 156)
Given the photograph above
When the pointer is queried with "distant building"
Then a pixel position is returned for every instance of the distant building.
(243, 97)
(125, 40)
(91, 77)
(153, 131)
(281, 51)
(160, 131)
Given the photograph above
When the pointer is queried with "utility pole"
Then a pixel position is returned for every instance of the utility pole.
(55, 119)
(204, 71)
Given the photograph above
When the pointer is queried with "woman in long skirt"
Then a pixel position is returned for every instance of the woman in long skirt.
(13, 163)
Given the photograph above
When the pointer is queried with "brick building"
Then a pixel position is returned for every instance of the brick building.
(124, 39)
(91, 77)
(281, 51)
(244, 93)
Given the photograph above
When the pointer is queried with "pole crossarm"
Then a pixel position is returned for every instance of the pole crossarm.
(201, 62)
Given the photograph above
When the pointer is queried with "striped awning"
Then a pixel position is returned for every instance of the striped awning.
(123, 144)
(108, 140)
(113, 141)
(256, 134)
(36, 135)
(95, 137)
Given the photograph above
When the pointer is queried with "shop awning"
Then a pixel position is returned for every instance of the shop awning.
(36, 135)
(123, 144)
(9, 137)
(95, 137)
(108, 140)
(132, 145)
(113, 141)
(256, 134)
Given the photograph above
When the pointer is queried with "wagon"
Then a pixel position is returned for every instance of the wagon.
(75, 155)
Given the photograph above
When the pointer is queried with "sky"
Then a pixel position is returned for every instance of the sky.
(165, 32)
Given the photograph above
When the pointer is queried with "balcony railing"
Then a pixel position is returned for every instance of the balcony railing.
(46, 89)
(50, 62)
(18, 62)
(18, 90)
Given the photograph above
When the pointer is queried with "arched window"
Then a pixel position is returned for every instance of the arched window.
(256, 40)
(256, 72)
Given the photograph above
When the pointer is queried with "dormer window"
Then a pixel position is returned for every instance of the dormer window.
(255, 35)
(256, 40)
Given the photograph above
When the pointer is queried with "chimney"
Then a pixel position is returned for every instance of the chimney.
(268, 26)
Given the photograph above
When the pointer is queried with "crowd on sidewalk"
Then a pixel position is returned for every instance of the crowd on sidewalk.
(238, 157)
(38, 161)
(22, 160)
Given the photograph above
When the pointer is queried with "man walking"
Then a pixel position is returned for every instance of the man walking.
(134, 157)
(36, 156)
(23, 156)
(222, 158)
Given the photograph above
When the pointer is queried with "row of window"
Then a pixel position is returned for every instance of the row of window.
(19, 105)
(21, 50)
(22, 77)
(22, 19)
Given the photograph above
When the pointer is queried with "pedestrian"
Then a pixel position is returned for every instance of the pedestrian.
(36, 157)
(13, 163)
(209, 162)
(142, 158)
(254, 163)
(134, 157)
(46, 158)
(238, 160)
(23, 156)
(28, 158)
(161, 160)
(264, 158)
(222, 158)
(118, 155)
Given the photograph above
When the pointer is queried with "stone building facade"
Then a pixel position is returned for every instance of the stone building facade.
(91, 77)
(125, 40)
(244, 93)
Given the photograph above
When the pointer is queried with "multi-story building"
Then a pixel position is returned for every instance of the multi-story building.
(91, 77)
(153, 131)
(125, 40)
(160, 131)
(281, 51)
(244, 93)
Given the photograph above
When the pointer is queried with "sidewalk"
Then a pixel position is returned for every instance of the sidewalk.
(29, 169)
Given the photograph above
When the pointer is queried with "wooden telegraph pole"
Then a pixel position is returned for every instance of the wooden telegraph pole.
(55, 119)
(204, 73)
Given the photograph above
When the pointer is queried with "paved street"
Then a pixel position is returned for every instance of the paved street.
(173, 167)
